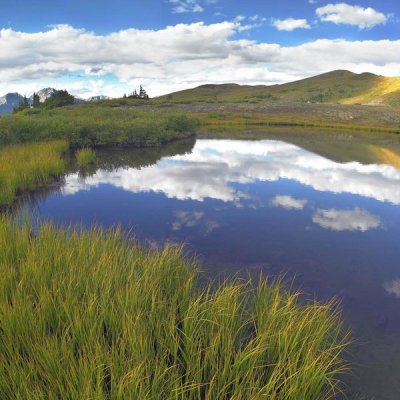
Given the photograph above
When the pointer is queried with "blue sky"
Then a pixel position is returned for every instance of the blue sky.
(109, 47)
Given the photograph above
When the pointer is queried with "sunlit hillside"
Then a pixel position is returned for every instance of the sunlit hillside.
(343, 87)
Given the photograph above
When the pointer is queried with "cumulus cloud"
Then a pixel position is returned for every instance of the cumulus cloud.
(179, 57)
(343, 13)
(288, 202)
(346, 220)
(393, 287)
(290, 24)
(213, 167)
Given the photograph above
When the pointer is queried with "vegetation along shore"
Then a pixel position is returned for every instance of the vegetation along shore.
(76, 323)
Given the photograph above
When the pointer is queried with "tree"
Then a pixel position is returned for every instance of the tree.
(36, 100)
(142, 93)
(23, 105)
(60, 99)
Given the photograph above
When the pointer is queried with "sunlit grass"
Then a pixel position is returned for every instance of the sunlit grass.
(88, 315)
(27, 166)
(85, 156)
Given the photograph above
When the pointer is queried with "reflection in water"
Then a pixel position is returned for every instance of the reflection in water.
(288, 202)
(267, 206)
(187, 219)
(393, 287)
(346, 220)
(212, 167)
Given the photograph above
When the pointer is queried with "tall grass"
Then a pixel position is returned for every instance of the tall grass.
(88, 315)
(96, 125)
(85, 156)
(27, 166)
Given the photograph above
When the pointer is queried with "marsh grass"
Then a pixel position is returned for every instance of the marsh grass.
(96, 125)
(27, 166)
(85, 156)
(89, 315)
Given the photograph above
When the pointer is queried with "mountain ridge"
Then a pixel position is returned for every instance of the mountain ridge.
(339, 87)
(11, 100)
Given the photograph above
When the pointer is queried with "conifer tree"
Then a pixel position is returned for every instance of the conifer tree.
(36, 100)
(23, 104)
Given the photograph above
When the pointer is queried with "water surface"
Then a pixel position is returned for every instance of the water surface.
(264, 206)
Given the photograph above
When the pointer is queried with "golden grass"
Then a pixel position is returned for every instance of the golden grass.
(87, 315)
(27, 166)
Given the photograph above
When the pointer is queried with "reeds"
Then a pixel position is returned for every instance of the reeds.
(89, 315)
(28, 166)
(85, 156)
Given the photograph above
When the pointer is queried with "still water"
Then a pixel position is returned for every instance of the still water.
(332, 228)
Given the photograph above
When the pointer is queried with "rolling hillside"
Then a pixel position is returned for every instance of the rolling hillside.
(343, 87)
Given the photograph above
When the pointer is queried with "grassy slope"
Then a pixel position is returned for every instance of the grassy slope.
(77, 324)
(334, 87)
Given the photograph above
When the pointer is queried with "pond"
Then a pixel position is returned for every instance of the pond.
(331, 227)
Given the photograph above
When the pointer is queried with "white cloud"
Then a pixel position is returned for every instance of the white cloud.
(290, 24)
(177, 57)
(346, 220)
(393, 287)
(343, 13)
(288, 202)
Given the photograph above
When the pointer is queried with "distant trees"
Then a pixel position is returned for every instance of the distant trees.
(23, 105)
(59, 99)
(36, 100)
(141, 96)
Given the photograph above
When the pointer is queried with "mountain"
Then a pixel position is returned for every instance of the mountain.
(8, 102)
(340, 86)
(44, 94)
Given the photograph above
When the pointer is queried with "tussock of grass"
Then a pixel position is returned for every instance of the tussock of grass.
(85, 156)
(27, 166)
(87, 315)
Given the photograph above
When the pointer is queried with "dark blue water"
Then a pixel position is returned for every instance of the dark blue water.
(263, 206)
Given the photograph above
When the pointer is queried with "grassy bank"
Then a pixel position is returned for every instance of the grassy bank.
(87, 315)
(236, 120)
(96, 125)
(27, 166)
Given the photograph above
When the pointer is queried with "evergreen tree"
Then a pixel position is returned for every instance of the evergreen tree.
(60, 99)
(23, 105)
(36, 100)
(142, 93)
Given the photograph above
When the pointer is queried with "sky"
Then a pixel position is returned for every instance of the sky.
(99, 47)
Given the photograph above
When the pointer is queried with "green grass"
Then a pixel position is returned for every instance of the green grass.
(85, 156)
(27, 166)
(89, 315)
(95, 125)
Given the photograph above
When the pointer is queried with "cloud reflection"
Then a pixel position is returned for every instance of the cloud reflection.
(393, 287)
(346, 220)
(288, 202)
(214, 166)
